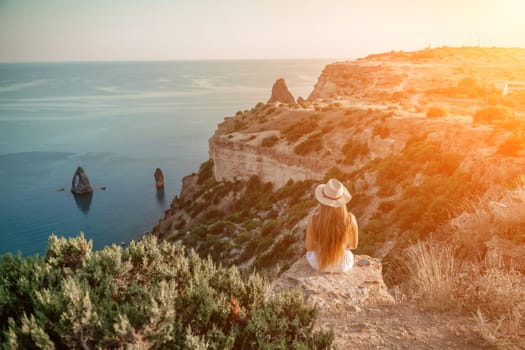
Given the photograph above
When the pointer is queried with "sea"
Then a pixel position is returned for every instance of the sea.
(119, 121)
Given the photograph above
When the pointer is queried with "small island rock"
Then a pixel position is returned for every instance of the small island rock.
(159, 179)
(280, 93)
(80, 184)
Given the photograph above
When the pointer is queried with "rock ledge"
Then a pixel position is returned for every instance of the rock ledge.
(363, 285)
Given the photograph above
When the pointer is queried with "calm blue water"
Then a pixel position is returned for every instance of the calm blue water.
(119, 121)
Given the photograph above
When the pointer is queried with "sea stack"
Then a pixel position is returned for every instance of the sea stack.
(280, 93)
(159, 179)
(80, 184)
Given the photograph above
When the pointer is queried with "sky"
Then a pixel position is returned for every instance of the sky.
(116, 30)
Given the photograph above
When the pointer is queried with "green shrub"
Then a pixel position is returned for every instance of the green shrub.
(297, 130)
(269, 228)
(147, 294)
(269, 141)
(239, 125)
(353, 149)
(205, 172)
(387, 206)
(512, 146)
(471, 87)
(311, 144)
(493, 114)
(381, 130)
(437, 112)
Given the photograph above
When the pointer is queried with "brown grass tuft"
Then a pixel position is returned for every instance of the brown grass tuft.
(432, 268)
(495, 295)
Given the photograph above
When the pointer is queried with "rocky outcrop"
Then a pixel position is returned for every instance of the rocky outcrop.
(159, 179)
(362, 285)
(80, 184)
(342, 299)
(280, 93)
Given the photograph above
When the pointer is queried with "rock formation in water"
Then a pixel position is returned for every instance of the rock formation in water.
(80, 184)
(159, 179)
(280, 93)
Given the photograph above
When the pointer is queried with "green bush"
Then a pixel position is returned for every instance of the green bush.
(205, 172)
(239, 125)
(148, 295)
(493, 114)
(381, 130)
(311, 144)
(471, 87)
(269, 141)
(512, 146)
(353, 149)
(270, 228)
(297, 130)
(437, 112)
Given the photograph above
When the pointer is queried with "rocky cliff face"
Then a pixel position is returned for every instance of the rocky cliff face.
(235, 157)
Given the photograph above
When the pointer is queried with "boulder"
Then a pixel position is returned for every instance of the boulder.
(362, 285)
(159, 178)
(80, 184)
(280, 93)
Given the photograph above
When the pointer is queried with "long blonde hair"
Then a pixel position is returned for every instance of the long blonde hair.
(332, 230)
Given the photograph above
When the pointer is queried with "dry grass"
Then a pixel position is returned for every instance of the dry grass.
(500, 299)
(495, 295)
(432, 268)
(493, 215)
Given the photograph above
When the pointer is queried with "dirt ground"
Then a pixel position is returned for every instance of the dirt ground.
(399, 326)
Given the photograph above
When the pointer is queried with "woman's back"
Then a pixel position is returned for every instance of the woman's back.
(332, 230)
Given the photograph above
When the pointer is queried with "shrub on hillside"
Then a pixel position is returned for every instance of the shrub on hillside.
(381, 130)
(493, 114)
(148, 295)
(471, 87)
(512, 146)
(205, 172)
(312, 144)
(353, 149)
(437, 112)
(269, 141)
(239, 125)
(297, 130)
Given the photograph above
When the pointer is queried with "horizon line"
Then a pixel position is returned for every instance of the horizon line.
(255, 59)
(177, 60)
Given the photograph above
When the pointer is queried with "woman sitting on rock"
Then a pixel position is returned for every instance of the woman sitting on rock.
(332, 231)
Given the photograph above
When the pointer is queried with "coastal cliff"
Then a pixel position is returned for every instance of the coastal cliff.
(431, 145)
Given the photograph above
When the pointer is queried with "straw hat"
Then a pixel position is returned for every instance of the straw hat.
(333, 193)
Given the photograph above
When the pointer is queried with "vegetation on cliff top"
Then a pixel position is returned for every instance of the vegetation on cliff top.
(148, 295)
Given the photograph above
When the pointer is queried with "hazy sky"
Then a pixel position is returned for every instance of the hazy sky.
(72, 30)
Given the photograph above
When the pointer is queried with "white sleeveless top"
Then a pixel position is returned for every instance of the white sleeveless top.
(345, 264)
